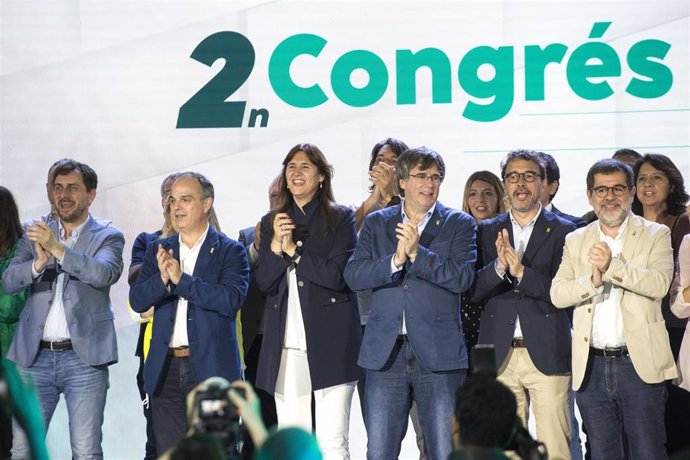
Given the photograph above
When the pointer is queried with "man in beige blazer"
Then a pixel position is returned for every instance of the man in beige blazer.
(615, 272)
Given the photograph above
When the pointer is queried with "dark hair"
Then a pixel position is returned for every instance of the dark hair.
(626, 153)
(677, 198)
(610, 166)
(88, 175)
(553, 173)
(424, 157)
(325, 191)
(10, 226)
(289, 444)
(197, 446)
(489, 177)
(523, 154)
(486, 412)
(396, 146)
(53, 167)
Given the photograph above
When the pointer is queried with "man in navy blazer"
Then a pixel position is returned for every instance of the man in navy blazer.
(196, 282)
(65, 337)
(519, 254)
(417, 257)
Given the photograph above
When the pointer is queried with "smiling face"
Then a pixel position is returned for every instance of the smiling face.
(188, 211)
(71, 198)
(482, 200)
(653, 186)
(421, 188)
(302, 178)
(611, 209)
(523, 196)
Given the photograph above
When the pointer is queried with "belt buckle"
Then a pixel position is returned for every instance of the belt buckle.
(51, 345)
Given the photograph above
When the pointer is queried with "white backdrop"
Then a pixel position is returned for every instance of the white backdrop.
(103, 82)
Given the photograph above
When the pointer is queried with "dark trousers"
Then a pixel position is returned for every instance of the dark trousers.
(150, 452)
(268, 403)
(5, 435)
(677, 404)
(169, 404)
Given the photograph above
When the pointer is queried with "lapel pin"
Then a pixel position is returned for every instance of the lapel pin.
(438, 222)
(212, 248)
(548, 229)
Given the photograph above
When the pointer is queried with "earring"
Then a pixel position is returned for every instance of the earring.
(320, 184)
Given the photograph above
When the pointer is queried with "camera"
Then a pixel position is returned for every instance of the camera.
(218, 416)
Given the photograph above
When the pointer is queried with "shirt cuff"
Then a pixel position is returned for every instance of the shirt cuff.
(34, 273)
(394, 269)
(501, 274)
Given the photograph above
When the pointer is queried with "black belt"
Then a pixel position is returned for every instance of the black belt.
(60, 345)
(616, 352)
(518, 342)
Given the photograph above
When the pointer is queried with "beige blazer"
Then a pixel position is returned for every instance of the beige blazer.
(643, 270)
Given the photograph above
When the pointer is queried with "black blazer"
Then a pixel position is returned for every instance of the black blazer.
(329, 308)
(545, 328)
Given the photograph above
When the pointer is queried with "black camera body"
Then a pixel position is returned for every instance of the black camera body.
(216, 412)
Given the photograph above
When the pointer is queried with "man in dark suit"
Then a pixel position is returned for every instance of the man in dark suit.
(417, 257)
(519, 253)
(196, 282)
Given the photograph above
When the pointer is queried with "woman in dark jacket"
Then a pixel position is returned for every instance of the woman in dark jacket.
(311, 330)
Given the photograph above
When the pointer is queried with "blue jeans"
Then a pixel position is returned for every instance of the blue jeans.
(388, 395)
(614, 401)
(85, 388)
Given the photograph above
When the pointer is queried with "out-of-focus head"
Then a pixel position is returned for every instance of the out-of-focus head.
(74, 189)
(306, 173)
(485, 414)
(274, 193)
(198, 446)
(627, 156)
(610, 190)
(10, 226)
(191, 200)
(387, 151)
(659, 184)
(290, 444)
(483, 196)
(524, 179)
(553, 178)
(420, 172)
(166, 187)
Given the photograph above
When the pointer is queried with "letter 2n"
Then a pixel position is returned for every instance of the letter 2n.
(207, 108)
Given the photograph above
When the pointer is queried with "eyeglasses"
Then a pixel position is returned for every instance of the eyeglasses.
(527, 176)
(603, 191)
(435, 178)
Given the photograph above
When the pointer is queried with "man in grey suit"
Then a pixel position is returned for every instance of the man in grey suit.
(66, 336)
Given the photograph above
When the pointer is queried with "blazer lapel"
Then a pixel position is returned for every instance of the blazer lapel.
(82, 244)
(207, 253)
(438, 218)
(392, 224)
(540, 233)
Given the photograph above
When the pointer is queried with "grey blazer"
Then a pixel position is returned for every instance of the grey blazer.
(92, 266)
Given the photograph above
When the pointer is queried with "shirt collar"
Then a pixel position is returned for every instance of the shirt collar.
(621, 230)
(75, 232)
(531, 222)
(427, 214)
(197, 242)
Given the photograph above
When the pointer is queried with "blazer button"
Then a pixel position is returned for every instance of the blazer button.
(405, 287)
(589, 310)
(586, 339)
(275, 305)
(300, 283)
(332, 299)
(299, 244)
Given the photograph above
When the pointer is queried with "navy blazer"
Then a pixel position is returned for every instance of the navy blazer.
(214, 294)
(428, 290)
(578, 221)
(329, 308)
(253, 306)
(545, 328)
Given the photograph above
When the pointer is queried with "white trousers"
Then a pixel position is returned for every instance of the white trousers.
(332, 405)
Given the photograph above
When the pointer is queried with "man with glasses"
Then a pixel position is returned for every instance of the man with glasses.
(417, 257)
(616, 271)
(519, 253)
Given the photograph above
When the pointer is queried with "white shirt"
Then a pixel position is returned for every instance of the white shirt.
(188, 258)
(420, 229)
(55, 328)
(295, 335)
(607, 322)
(521, 236)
